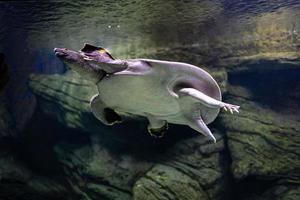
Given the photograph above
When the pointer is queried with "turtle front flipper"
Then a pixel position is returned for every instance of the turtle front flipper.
(106, 115)
(157, 128)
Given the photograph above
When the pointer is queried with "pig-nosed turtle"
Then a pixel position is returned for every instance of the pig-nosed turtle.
(161, 91)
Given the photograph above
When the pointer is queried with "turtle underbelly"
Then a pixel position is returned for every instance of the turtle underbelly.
(137, 95)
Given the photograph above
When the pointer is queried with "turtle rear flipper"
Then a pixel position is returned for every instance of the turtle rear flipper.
(158, 132)
(106, 115)
(157, 127)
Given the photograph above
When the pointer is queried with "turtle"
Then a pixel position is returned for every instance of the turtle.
(161, 91)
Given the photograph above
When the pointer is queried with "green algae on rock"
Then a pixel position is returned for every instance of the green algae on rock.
(193, 169)
(71, 95)
(164, 182)
(264, 144)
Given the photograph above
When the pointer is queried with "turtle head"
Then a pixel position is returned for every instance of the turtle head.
(72, 58)
(83, 64)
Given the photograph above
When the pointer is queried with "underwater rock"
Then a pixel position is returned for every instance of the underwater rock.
(261, 61)
(288, 190)
(96, 168)
(264, 143)
(7, 126)
(164, 182)
(66, 98)
(10, 167)
(193, 169)
(17, 181)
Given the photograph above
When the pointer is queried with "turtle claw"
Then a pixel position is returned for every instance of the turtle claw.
(230, 107)
(236, 110)
(157, 134)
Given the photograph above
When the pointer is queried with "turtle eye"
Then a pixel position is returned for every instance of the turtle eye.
(101, 51)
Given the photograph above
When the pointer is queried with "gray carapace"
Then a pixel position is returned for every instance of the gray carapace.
(162, 91)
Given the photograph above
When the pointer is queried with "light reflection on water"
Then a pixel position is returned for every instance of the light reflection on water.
(131, 25)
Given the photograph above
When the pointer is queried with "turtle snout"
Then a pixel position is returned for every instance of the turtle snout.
(60, 52)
